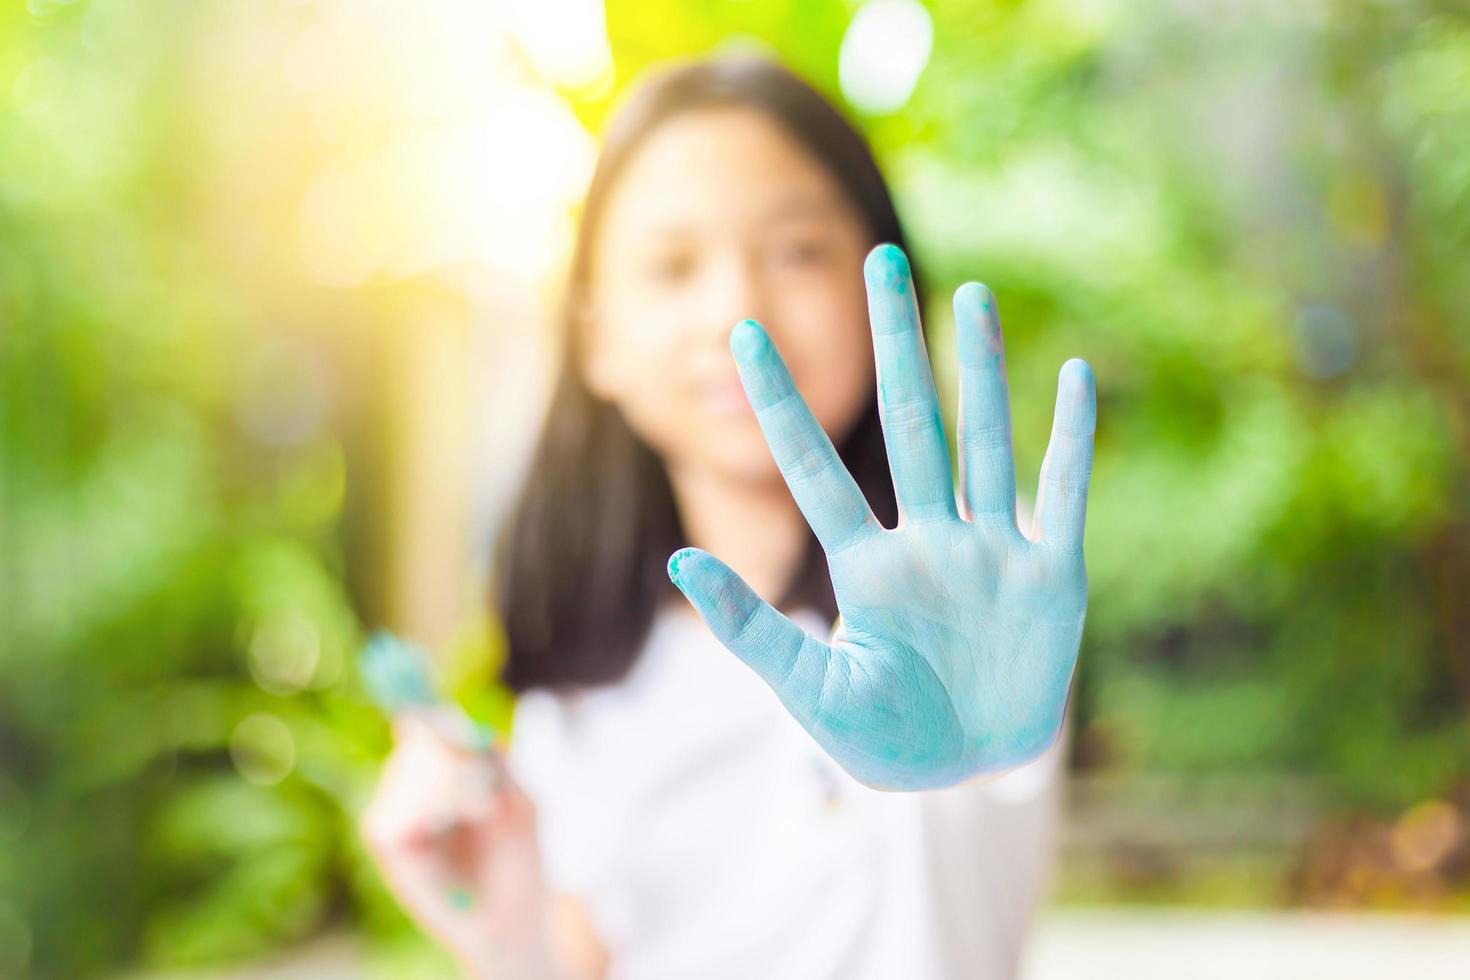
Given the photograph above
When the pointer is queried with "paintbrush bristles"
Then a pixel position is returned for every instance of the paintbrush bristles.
(396, 673)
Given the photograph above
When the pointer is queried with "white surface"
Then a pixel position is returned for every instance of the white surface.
(1149, 944)
(1139, 944)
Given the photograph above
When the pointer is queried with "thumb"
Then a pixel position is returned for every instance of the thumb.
(782, 653)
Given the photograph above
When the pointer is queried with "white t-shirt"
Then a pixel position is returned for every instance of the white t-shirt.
(710, 837)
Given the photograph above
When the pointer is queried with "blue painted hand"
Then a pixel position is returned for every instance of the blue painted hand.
(958, 633)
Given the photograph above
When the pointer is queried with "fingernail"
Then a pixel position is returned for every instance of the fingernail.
(975, 297)
(886, 265)
(975, 302)
(1080, 370)
(746, 339)
(673, 566)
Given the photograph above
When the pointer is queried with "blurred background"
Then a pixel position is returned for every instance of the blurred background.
(274, 284)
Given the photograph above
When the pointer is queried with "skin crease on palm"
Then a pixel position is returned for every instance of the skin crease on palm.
(958, 634)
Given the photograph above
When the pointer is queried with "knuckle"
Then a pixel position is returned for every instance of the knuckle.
(911, 415)
(807, 463)
(984, 438)
(744, 623)
(780, 401)
(1068, 483)
(891, 320)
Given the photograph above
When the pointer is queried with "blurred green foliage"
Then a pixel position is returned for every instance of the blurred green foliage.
(1253, 219)
(175, 628)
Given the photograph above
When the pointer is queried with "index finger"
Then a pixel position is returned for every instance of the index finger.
(918, 454)
(825, 491)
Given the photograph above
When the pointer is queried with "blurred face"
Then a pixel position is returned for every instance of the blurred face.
(720, 216)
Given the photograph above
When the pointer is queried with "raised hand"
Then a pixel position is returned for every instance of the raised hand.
(958, 634)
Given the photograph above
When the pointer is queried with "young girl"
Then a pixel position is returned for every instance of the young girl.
(686, 822)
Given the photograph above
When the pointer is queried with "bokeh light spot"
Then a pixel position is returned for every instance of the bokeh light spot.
(883, 54)
(263, 749)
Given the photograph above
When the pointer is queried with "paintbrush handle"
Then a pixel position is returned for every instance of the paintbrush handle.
(453, 726)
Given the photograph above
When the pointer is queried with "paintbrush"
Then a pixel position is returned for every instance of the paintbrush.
(399, 679)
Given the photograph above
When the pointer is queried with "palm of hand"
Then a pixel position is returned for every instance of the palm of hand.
(943, 664)
(958, 634)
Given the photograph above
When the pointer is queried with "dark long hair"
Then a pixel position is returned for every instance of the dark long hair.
(580, 570)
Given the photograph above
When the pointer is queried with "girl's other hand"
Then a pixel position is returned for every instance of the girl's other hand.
(958, 633)
(455, 839)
